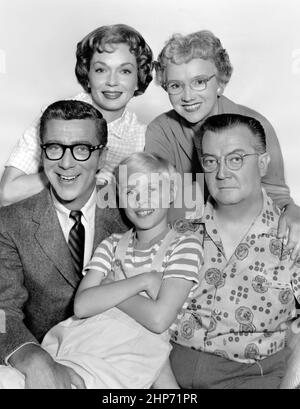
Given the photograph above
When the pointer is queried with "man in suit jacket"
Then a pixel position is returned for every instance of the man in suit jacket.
(38, 277)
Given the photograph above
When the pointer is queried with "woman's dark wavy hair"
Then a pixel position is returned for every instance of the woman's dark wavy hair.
(98, 40)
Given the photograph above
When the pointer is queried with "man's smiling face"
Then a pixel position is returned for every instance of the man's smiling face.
(72, 181)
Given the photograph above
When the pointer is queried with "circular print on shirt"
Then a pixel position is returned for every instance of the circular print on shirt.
(244, 315)
(187, 329)
(242, 251)
(183, 225)
(285, 296)
(259, 284)
(251, 351)
(213, 276)
(278, 250)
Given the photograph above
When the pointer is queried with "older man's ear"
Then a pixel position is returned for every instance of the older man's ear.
(263, 162)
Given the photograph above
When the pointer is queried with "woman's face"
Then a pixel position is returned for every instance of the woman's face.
(113, 80)
(191, 104)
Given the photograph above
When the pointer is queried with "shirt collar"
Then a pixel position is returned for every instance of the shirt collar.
(159, 237)
(87, 210)
(265, 223)
(117, 126)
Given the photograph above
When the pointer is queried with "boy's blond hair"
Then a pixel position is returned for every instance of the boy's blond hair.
(146, 163)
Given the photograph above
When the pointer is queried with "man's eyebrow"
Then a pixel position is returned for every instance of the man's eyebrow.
(201, 76)
(237, 151)
(81, 142)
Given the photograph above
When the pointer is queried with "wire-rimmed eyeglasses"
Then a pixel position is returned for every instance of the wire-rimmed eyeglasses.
(233, 161)
(198, 83)
(80, 151)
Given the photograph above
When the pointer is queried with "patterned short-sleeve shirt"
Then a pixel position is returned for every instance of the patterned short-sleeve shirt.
(126, 135)
(243, 305)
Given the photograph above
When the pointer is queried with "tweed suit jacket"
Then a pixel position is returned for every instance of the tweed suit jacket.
(37, 277)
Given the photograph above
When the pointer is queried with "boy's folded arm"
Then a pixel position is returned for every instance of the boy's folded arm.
(181, 275)
(96, 294)
(157, 315)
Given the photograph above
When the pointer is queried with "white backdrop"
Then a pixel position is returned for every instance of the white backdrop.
(37, 57)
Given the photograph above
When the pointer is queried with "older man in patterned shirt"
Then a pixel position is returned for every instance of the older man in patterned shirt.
(234, 332)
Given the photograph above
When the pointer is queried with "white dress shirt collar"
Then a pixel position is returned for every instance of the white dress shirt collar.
(87, 210)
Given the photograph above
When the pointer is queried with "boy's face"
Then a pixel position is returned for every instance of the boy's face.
(145, 198)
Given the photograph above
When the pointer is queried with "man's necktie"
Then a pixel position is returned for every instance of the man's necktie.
(76, 241)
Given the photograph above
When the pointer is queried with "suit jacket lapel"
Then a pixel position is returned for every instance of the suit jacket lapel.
(101, 231)
(50, 237)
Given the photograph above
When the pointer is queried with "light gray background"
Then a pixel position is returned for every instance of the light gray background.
(37, 57)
